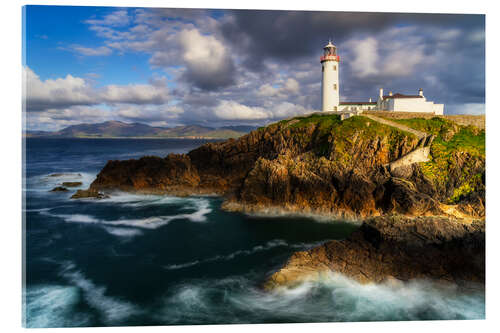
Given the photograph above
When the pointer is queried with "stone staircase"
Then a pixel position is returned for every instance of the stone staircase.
(419, 154)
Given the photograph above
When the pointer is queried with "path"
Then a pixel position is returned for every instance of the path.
(402, 127)
(419, 154)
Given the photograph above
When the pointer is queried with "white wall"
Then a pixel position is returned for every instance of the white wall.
(413, 105)
(330, 96)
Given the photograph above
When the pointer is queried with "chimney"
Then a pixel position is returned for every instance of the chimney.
(390, 93)
(421, 92)
(381, 93)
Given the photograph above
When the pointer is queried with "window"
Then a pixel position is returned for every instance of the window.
(335, 86)
(334, 68)
(322, 68)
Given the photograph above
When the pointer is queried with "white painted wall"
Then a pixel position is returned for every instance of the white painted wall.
(330, 85)
(410, 105)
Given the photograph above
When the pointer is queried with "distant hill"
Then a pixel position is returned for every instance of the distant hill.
(118, 129)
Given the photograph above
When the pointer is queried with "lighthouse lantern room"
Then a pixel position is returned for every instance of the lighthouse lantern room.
(330, 80)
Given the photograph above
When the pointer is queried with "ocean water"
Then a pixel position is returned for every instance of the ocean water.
(161, 260)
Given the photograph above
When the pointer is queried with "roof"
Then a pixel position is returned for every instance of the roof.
(329, 45)
(401, 96)
(358, 103)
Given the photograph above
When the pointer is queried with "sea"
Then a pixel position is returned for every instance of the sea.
(161, 260)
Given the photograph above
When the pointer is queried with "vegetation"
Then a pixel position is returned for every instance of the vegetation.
(451, 139)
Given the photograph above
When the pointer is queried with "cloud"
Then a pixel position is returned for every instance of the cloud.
(118, 18)
(55, 93)
(290, 86)
(209, 65)
(92, 51)
(135, 94)
(233, 110)
(365, 56)
(69, 91)
(467, 108)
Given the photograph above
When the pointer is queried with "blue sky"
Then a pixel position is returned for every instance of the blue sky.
(169, 67)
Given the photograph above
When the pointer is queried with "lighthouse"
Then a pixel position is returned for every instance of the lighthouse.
(330, 80)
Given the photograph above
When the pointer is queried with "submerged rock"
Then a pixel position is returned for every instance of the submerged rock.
(401, 248)
(65, 175)
(72, 184)
(81, 194)
(59, 189)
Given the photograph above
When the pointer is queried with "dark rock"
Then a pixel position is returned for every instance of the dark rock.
(65, 175)
(71, 184)
(396, 247)
(59, 189)
(81, 194)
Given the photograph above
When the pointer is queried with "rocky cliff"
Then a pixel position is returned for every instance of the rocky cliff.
(400, 248)
(422, 220)
(322, 165)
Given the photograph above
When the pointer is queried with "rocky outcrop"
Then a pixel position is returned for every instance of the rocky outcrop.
(59, 189)
(399, 248)
(71, 184)
(316, 164)
(86, 194)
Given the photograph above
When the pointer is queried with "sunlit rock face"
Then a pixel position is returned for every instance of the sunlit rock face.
(396, 248)
(321, 165)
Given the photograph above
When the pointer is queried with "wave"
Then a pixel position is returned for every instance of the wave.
(52, 306)
(201, 206)
(112, 310)
(46, 182)
(123, 232)
(333, 298)
(258, 248)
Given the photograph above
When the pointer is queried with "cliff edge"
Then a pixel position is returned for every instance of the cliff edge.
(321, 165)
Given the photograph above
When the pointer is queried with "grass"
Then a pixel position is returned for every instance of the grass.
(450, 140)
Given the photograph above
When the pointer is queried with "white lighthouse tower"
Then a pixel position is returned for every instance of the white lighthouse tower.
(330, 81)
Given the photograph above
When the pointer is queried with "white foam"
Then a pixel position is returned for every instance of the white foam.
(52, 306)
(123, 232)
(112, 309)
(258, 248)
(333, 298)
(44, 183)
(154, 222)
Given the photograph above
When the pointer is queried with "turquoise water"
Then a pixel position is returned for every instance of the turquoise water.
(160, 260)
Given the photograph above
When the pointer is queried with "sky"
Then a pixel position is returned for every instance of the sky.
(169, 67)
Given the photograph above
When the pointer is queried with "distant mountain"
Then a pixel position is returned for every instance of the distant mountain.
(118, 129)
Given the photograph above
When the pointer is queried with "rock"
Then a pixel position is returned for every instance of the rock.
(316, 164)
(59, 189)
(65, 175)
(81, 194)
(396, 248)
(71, 184)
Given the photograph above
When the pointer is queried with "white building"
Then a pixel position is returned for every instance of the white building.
(330, 88)
(407, 103)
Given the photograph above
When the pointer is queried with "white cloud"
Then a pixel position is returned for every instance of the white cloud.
(208, 61)
(231, 110)
(93, 51)
(290, 86)
(69, 91)
(267, 90)
(58, 92)
(396, 52)
(135, 94)
(117, 18)
(366, 58)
